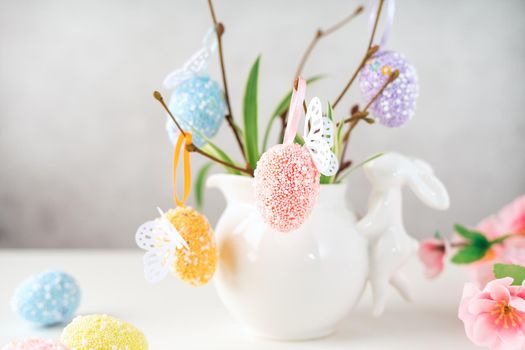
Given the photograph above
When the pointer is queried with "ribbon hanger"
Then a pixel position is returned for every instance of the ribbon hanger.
(210, 40)
(186, 140)
(294, 112)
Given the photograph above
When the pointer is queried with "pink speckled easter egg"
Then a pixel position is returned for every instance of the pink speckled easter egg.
(35, 344)
(286, 186)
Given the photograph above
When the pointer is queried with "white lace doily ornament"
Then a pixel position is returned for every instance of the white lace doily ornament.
(160, 239)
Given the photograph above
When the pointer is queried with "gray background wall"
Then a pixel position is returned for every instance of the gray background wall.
(83, 155)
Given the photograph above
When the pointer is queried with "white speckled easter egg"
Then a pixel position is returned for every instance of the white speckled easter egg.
(35, 344)
(46, 299)
(102, 332)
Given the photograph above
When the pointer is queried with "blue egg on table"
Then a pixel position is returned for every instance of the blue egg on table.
(198, 104)
(46, 299)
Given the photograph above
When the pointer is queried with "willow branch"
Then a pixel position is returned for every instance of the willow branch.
(191, 147)
(219, 30)
(368, 54)
(393, 76)
(157, 95)
(357, 116)
(318, 35)
(322, 33)
(378, 14)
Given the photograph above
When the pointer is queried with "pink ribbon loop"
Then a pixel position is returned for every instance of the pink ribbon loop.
(294, 112)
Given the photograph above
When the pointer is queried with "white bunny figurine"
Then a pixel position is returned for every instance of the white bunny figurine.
(390, 245)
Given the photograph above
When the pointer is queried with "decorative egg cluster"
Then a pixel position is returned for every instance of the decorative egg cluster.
(197, 103)
(35, 344)
(46, 299)
(196, 265)
(102, 332)
(397, 103)
(286, 186)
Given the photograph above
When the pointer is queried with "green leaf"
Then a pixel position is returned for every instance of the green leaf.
(330, 112)
(215, 151)
(250, 115)
(438, 235)
(475, 237)
(298, 139)
(199, 184)
(500, 239)
(355, 167)
(280, 109)
(469, 254)
(338, 142)
(508, 270)
(325, 180)
(335, 147)
(211, 148)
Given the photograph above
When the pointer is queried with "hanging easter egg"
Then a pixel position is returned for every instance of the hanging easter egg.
(46, 299)
(397, 102)
(197, 102)
(287, 176)
(102, 332)
(198, 105)
(35, 344)
(196, 263)
(180, 241)
(286, 186)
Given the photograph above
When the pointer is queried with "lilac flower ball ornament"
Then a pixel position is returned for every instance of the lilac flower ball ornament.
(397, 103)
(197, 101)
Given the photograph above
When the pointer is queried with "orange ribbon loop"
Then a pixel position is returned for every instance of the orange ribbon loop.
(187, 171)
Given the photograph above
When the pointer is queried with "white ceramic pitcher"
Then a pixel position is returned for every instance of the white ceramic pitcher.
(300, 285)
(295, 285)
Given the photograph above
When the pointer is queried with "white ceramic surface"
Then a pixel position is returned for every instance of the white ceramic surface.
(291, 286)
(175, 315)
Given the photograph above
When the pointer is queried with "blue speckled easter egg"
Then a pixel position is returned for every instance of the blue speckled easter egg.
(46, 299)
(197, 102)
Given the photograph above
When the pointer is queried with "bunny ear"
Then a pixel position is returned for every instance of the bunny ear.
(427, 186)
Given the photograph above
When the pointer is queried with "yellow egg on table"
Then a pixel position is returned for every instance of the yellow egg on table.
(197, 264)
(102, 332)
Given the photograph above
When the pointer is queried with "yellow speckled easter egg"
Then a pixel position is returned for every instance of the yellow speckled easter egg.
(196, 265)
(102, 332)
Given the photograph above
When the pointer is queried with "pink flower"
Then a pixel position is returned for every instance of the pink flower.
(512, 217)
(495, 316)
(511, 252)
(509, 220)
(432, 255)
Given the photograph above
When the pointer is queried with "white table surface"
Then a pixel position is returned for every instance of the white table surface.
(176, 316)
